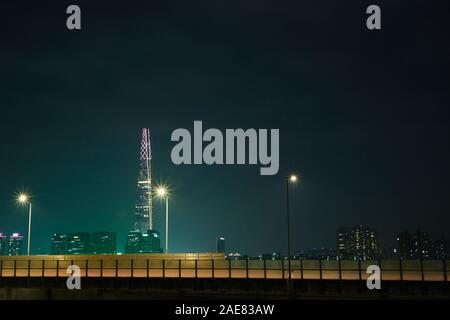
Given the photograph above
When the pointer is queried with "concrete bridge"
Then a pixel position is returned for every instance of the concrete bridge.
(209, 275)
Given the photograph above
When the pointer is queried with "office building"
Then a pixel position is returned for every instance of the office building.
(148, 242)
(104, 242)
(58, 244)
(15, 244)
(133, 243)
(83, 243)
(151, 242)
(79, 243)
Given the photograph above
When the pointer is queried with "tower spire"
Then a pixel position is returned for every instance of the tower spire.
(146, 151)
(144, 219)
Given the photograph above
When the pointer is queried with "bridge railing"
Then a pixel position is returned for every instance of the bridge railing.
(391, 270)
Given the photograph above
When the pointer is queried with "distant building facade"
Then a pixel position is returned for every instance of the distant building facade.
(413, 245)
(440, 249)
(236, 256)
(220, 245)
(83, 243)
(79, 243)
(3, 244)
(15, 244)
(149, 242)
(271, 256)
(104, 242)
(318, 254)
(357, 243)
(133, 243)
(58, 244)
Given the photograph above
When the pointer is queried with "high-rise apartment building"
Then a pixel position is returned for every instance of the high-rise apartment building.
(357, 243)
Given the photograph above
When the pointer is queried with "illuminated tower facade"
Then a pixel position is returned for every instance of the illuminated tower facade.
(144, 219)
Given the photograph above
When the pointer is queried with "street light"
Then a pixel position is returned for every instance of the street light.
(290, 179)
(161, 192)
(23, 199)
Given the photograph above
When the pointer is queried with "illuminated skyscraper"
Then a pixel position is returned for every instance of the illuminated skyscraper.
(144, 219)
(15, 244)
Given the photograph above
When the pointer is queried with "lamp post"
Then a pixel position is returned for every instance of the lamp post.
(162, 193)
(24, 199)
(289, 179)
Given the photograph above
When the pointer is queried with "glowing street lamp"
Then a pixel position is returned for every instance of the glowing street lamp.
(290, 179)
(23, 199)
(162, 192)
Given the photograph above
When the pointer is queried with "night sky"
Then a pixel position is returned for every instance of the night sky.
(363, 117)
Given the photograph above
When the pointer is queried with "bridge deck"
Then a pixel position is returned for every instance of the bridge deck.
(215, 266)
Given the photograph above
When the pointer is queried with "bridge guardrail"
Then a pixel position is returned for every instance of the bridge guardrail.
(116, 266)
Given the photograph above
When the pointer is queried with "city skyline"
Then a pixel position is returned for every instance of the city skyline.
(352, 243)
(145, 154)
